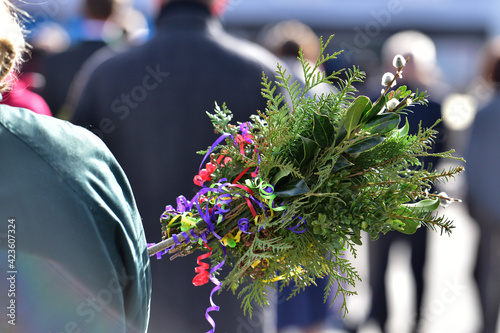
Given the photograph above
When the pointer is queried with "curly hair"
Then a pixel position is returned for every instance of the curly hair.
(12, 43)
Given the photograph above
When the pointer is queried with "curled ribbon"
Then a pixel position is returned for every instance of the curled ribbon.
(189, 237)
(266, 192)
(203, 275)
(302, 222)
(213, 203)
(244, 225)
(217, 287)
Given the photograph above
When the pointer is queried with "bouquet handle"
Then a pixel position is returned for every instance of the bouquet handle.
(163, 245)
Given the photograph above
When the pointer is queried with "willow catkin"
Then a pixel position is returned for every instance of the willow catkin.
(7, 59)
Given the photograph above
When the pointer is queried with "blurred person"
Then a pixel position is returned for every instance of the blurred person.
(71, 236)
(423, 71)
(148, 104)
(59, 69)
(44, 39)
(20, 95)
(27, 82)
(45, 11)
(49, 38)
(416, 75)
(483, 158)
(134, 32)
(306, 312)
(133, 23)
(285, 39)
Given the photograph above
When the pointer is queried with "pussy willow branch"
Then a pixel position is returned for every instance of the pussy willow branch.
(440, 196)
(389, 86)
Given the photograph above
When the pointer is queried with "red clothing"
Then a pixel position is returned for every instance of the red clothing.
(20, 96)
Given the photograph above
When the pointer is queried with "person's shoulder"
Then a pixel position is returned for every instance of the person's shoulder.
(52, 138)
(109, 63)
(248, 50)
(77, 156)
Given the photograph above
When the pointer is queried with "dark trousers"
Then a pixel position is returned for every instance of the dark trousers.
(379, 257)
(487, 275)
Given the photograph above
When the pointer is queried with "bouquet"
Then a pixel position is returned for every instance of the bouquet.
(285, 195)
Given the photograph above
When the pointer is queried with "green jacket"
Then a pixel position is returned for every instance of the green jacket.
(72, 246)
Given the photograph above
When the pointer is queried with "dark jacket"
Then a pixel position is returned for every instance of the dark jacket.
(70, 229)
(60, 69)
(481, 170)
(149, 106)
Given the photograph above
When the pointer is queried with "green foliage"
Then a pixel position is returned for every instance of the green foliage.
(331, 167)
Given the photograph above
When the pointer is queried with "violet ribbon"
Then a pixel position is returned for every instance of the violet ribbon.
(244, 128)
(302, 221)
(212, 148)
(217, 287)
(188, 238)
(244, 225)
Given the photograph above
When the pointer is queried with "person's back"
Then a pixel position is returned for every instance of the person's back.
(75, 255)
(60, 69)
(77, 252)
(149, 106)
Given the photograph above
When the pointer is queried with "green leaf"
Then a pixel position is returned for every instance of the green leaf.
(341, 163)
(292, 188)
(365, 144)
(367, 116)
(280, 175)
(356, 240)
(323, 130)
(383, 123)
(426, 205)
(354, 113)
(306, 151)
(340, 136)
(401, 93)
(410, 227)
(403, 131)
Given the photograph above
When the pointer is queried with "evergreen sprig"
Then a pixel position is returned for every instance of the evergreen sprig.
(291, 191)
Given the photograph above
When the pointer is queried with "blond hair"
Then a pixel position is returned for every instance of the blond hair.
(12, 43)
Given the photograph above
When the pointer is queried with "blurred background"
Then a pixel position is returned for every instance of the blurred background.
(458, 30)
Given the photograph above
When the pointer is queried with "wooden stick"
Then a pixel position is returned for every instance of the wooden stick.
(169, 242)
(164, 244)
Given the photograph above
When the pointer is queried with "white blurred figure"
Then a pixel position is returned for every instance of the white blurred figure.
(422, 71)
(285, 39)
